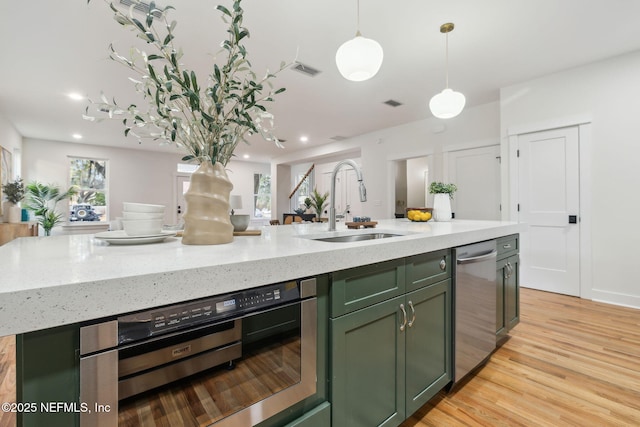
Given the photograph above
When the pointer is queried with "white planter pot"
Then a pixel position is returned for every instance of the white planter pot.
(15, 213)
(441, 207)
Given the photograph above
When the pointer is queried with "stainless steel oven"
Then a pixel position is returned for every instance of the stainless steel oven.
(246, 355)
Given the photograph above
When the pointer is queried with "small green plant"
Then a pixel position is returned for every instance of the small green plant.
(307, 203)
(442, 188)
(14, 191)
(42, 200)
(318, 201)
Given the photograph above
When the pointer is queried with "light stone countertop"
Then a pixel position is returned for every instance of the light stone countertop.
(52, 281)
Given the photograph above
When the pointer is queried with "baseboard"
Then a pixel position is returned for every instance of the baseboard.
(625, 300)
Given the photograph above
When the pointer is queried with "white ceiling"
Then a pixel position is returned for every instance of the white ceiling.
(50, 48)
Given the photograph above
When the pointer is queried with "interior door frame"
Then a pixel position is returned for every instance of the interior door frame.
(511, 172)
(176, 175)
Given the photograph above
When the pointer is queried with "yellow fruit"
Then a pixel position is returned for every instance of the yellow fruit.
(412, 215)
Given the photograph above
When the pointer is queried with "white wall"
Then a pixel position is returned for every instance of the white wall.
(378, 150)
(134, 175)
(608, 92)
(11, 140)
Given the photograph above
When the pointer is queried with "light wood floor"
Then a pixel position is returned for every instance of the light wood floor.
(570, 362)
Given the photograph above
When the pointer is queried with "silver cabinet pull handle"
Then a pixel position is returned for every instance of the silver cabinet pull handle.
(413, 314)
(443, 264)
(404, 318)
(508, 270)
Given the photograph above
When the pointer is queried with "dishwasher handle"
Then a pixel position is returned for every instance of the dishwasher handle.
(479, 258)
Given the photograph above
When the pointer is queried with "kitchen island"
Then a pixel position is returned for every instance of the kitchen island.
(52, 286)
(58, 280)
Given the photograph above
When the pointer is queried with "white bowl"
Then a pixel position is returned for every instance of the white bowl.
(142, 227)
(142, 207)
(141, 215)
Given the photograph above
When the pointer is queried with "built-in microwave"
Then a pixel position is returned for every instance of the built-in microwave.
(228, 360)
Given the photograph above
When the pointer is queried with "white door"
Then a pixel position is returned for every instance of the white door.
(549, 184)
(182, 185)
(476, 173)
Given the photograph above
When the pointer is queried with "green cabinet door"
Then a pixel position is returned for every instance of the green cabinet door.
(367, 366)
(428, 343)
(501, 319)
(507, 296)
(512, 292)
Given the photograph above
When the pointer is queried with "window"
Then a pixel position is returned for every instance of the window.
(304, 191)
(262, 195)
(89, 177)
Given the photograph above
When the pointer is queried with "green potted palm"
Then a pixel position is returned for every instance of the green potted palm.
(42, 200)
(207, 116)
(14, 191)
(442, 195)
(319, 201)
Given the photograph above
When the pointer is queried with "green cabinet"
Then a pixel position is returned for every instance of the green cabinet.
(507, 286)
(388, 358)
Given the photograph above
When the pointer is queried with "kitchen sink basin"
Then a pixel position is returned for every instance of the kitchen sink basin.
(357, 237)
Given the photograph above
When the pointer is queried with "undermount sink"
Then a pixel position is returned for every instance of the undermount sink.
(356, 237)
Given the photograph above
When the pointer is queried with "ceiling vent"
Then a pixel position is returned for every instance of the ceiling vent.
(141, 7)
(305, 69)
(392, 103)
(338, 138)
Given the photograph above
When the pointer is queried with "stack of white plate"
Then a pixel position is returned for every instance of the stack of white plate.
(140, 219)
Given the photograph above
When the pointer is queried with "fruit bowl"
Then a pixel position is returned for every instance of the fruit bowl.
(419, 214)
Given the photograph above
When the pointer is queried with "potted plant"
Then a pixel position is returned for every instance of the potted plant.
(307, 205)
(443, 193)
(206, 115)
(318, 201)
(42, 200)
(15, 193)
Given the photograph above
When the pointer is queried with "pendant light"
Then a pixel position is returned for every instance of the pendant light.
(448, 103)
(360, 58)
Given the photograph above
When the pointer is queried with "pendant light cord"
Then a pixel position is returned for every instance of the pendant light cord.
(358, 18)
(446, 60)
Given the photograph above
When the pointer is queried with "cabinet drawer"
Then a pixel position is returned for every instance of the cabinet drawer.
(508, 245)
(361, 287)
(426, 269)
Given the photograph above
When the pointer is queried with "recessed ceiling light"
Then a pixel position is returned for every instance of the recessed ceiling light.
(76, 136)
(75, 96)
(246, 156)
(304, 138)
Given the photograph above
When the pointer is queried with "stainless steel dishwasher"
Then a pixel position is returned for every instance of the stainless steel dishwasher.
(475, 306)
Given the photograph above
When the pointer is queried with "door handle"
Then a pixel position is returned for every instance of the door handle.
(404, 318)
(573, 219)
(413, 315)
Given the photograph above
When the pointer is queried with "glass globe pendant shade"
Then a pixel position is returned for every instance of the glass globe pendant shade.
(447, 104)
(359, 59)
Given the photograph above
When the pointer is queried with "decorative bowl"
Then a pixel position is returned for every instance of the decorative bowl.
(141, 215)
(142, 207)
(419, 217)
(142, 227)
